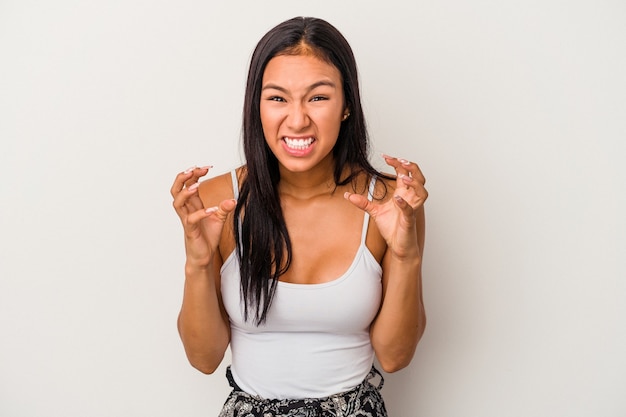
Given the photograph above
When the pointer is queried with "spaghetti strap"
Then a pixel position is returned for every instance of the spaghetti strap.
(366, 218)
(233, 176)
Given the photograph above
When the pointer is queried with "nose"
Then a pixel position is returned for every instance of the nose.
(297, 118)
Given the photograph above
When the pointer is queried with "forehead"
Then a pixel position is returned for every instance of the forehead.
(299, 69)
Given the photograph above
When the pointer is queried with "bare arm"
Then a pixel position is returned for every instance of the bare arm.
(401, 320)
(202, 323)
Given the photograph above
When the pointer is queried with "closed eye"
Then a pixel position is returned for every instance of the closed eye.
(319, 98)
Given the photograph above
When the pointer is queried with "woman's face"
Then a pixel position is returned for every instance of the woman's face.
(302, 107)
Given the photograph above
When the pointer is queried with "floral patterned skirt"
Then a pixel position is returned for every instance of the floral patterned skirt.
(364, 400)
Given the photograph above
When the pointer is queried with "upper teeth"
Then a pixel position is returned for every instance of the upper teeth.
(298, 143)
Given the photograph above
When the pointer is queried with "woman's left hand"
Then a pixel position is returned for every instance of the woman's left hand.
(396, 218)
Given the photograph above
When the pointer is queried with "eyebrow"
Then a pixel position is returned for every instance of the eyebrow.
(309, 88)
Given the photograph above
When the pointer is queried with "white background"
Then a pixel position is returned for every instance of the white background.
(515, 110)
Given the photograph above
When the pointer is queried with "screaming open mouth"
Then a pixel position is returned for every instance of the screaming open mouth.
(298, 144)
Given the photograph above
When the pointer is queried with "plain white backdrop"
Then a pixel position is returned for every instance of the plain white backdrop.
(515, 111)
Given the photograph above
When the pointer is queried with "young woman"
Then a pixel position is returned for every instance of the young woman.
(306, 260)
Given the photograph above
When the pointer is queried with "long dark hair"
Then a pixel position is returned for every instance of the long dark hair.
(263, 243)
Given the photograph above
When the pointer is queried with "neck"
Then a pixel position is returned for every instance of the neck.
(308, 184)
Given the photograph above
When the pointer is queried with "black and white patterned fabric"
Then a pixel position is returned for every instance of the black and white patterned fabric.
(364, 400)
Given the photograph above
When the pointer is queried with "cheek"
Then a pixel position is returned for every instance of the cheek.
(263, 114)
(269, 125)
(328, 119)
(269, 118)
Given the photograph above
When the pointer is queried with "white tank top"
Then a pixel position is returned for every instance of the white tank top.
(315, 341)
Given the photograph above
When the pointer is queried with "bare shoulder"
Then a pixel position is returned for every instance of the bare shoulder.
(218, 188)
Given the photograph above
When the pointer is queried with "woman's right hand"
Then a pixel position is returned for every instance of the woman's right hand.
(202, 226)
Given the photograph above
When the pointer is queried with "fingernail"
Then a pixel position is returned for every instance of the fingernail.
(346, 195)
(398, 198)
(405, 178)
(188, 170)
(211, 210)
(207, 167)
(404, 162)
(386, 156)
(193, 186)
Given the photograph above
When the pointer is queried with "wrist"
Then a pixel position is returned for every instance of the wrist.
(196, 269)
(406, 258)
